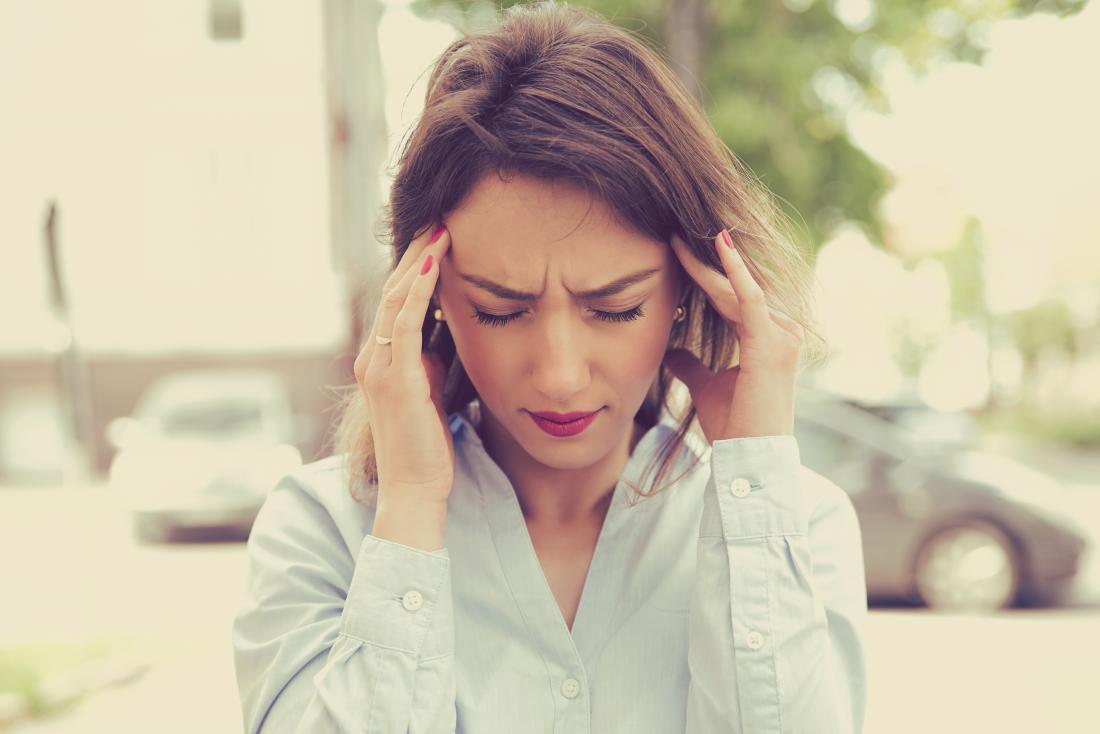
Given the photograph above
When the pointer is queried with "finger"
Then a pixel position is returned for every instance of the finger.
(408, 334)
(359, 367)
(413, 253)
(755, 314)
(394, 297)
(388, 307)
(385, 324)
(716, 285)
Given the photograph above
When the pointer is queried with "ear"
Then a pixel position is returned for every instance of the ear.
(681, 277)
(683, 286)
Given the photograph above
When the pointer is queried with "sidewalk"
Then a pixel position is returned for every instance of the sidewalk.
(74, 576)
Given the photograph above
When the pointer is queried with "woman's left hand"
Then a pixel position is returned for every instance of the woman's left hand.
(755, 398)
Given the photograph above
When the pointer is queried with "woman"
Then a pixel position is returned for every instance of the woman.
(477, 558)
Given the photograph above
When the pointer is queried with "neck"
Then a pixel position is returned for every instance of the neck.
(552, 497)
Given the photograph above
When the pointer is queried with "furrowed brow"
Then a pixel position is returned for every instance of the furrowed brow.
(611, 289)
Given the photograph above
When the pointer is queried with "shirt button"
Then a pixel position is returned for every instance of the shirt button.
(740, 487)
(570, 687)
(412, 600)
(755, 640)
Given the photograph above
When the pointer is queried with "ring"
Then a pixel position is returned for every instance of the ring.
(383, 339)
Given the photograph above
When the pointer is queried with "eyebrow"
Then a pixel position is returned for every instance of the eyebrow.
(612, 288)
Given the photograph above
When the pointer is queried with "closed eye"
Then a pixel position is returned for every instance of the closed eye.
(611, 316)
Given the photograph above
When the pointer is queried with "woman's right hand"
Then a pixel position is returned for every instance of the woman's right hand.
(403, 385)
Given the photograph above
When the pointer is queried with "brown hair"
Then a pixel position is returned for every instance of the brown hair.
(557, 92)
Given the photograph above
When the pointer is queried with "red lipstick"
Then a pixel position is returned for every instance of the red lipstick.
(563, 424)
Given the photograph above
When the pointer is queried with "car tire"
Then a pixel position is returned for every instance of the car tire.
(969, 566)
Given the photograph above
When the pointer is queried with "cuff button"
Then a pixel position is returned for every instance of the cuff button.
(740, 487)
(412, 600)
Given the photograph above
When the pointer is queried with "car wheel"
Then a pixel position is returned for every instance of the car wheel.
(968, 567)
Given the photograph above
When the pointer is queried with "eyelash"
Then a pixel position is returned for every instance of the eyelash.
(610, 316)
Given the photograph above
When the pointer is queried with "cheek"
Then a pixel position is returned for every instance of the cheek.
(479, 348)
(636, 360)
(489, 366)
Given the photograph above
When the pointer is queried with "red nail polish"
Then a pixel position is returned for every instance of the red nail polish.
(728, 240)
(435, 235)
(427, 265)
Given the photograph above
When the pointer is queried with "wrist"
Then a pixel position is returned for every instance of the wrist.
(418, 522)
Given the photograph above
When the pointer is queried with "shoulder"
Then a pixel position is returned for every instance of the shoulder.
(313, 505)
(322, 481)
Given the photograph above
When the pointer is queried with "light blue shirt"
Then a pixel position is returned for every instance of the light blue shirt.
(731, 601)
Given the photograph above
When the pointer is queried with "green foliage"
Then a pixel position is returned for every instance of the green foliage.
(778, 78)
(1078, 427)
(963, 264)
(1048, 324)
(52, 677)
(24, 669)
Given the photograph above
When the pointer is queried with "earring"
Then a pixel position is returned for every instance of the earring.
(680, 313)
(438, 314)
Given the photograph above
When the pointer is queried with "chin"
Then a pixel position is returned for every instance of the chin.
(580, 458)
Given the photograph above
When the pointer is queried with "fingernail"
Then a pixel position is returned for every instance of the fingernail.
(427, 265)
(727, 239)
(435, 235)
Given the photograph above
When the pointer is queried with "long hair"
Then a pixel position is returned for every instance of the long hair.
(558, 92)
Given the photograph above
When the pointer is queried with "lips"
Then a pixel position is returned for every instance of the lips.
(576, 424)
(562, 417)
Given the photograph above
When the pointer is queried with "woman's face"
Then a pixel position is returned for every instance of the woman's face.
(555, 350)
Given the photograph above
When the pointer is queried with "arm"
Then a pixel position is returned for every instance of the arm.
(776, 622)
(327, 642)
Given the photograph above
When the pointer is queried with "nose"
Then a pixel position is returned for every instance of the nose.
(559, 370)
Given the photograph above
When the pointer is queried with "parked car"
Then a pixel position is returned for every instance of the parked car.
(938, 428)
(202, 450)
(953, 528)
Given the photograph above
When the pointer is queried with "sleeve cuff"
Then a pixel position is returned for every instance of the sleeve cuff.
(754, 489)
(395, 594)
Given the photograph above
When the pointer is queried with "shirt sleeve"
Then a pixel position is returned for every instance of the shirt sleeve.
(777, 616)
(327, 642)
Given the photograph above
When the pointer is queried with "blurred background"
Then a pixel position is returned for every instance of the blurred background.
(189, 197)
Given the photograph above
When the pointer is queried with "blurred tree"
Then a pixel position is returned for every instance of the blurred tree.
(778, 77)
(963, 264)
(1046, 325)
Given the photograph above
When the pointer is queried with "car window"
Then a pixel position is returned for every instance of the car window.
(213, 419)
(834, 455)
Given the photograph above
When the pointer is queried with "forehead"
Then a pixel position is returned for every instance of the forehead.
(542, 222)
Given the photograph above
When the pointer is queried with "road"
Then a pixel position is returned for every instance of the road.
(72, 572)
